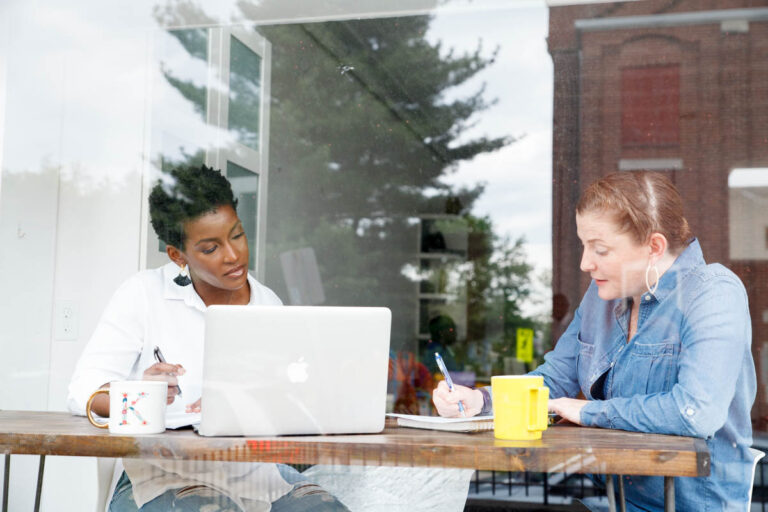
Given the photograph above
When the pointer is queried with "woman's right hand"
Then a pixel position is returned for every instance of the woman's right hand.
(167, 372)
(447, 401)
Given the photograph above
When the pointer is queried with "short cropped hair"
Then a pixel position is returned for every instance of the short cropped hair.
(642, 203)
(184, 194)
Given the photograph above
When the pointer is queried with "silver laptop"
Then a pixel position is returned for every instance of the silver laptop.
(274, 370)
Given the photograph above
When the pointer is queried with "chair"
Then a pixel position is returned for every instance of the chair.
(756, 456)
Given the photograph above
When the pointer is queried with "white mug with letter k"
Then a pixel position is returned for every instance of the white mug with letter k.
(135, 407)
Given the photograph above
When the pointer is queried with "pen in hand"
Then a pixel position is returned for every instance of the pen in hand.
(160, 359)
(444, 371)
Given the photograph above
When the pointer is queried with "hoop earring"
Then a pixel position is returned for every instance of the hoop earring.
(183, 278)
(652, 291)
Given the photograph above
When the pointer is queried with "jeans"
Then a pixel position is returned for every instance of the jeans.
(304, 497)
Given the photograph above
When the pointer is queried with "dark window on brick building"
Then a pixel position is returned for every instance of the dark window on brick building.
(650, 103)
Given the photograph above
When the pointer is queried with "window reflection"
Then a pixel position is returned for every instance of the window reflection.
(187, 76)
(428, 162)
(245, 186)
(390, 161)
(375, 168)
(368, 120)
(748, 214)
(244, 93)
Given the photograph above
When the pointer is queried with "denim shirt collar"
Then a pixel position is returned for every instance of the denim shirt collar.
(689, 259)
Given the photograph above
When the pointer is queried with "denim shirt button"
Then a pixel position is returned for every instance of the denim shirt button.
(647, 297)
(689, 411)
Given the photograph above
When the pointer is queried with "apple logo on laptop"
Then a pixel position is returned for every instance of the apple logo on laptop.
(297, 371)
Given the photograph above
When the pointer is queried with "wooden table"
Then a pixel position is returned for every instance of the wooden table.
(569, 449)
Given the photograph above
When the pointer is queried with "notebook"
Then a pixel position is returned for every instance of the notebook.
(276, 370)
(473, 424)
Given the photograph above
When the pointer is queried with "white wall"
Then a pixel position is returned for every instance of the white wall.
(28, 208)
(69, 211)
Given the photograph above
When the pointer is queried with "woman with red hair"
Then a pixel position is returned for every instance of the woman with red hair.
(660, 342)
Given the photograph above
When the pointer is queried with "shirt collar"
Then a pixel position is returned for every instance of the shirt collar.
(689, 259)
(173, 291)
(621, 307)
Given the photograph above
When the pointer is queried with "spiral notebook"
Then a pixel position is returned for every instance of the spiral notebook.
(473, 424)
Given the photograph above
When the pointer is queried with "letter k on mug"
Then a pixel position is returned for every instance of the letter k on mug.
(135, 407)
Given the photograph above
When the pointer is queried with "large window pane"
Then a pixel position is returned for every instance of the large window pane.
(245, 185)
(244, 93)
(420, 155)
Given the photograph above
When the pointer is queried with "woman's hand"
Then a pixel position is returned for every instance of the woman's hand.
(447, 402)
(193, 407)
(568, 408)
(167, 372)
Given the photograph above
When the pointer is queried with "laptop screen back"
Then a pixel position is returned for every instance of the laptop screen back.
(274, 370)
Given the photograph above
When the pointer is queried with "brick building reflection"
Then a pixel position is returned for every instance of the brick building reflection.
(678, 86)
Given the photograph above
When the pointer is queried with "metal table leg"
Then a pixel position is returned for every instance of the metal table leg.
(622, 500)
(6, 480)
(609, 493)
(669, 494)
(40, 470)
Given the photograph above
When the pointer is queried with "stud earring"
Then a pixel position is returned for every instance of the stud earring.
(183, 278)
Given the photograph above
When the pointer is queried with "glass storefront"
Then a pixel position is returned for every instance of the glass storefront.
(422, 156)
(404, 161)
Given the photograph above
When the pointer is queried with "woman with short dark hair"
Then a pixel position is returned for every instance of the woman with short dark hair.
(193, 210)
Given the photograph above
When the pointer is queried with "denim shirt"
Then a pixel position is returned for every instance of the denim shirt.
(687, 371)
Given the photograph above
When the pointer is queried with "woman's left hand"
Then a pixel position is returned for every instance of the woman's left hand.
(194, 407)
(568, 408)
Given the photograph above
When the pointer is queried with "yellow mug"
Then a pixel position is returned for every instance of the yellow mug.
(519, 406)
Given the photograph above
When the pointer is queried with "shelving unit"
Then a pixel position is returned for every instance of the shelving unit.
(442, 245)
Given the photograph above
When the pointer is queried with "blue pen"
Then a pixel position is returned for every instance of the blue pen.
(444, 371)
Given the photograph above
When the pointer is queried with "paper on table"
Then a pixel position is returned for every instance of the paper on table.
(439, 419)
(473, 424)
(181, 419)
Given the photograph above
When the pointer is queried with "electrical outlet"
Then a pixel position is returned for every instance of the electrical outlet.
(66, 321)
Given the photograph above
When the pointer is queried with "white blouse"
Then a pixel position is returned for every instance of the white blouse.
(148, 310)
